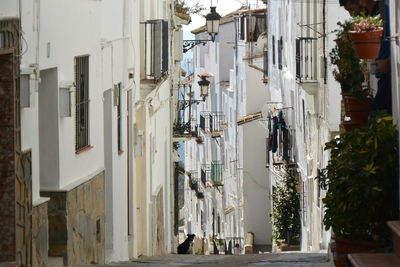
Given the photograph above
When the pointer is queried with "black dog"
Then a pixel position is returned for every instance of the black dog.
(184, 247)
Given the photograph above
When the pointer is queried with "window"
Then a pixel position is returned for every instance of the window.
(118, 104)
(242, 28)
(256, 26)
(280, 49)
(306, 63)
(156, 49)
(82, 102)
(273, 49)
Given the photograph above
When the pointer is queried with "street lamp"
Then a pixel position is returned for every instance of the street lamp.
(204, 85)
(212, 22)
(212, 27)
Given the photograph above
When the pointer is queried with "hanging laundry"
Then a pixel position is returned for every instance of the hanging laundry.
(274, 136)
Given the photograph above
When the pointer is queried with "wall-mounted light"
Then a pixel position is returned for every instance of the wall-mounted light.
(212, 27)
(212, 22)
(204, 86)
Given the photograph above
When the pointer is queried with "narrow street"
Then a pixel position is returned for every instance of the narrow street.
(272, 260)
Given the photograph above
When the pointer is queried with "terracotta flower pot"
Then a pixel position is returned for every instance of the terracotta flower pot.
(348, 126)
(366, 44)
(346, 246)
(357, 109)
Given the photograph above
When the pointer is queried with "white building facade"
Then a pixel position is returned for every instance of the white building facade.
(301, 85)
(95, 113)
(228, 157)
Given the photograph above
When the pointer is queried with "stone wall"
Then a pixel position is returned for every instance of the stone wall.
(7, 160)
(77, 223)
(40, 236)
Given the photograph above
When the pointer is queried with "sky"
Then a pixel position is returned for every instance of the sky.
(223, 7)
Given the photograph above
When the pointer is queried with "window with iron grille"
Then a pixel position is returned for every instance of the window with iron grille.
(280, 49)
(306, 63)
(156, 48)
(119, 116)
(82, 102)
(265, 54)
(273, 49)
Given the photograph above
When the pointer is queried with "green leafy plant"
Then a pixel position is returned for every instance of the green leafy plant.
(182, 7)
(363, 22)
(286, 209)
(361, 181)
(349, 71)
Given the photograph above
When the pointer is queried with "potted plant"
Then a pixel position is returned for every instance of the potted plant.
(351, 73)
(193, 184)
(360, 180)
(183, 10)
(285, 214)
(348, 66)
(366, 35)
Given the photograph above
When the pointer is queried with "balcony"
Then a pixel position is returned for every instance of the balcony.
(205, 174)
(193, 182)
(212, 123)
(186, 126)
(217, 173)
(306, 64)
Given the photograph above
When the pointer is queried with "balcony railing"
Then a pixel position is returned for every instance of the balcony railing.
(186, 126)
(306, 63)
(217, 123)
(216, 173)
(205, 174)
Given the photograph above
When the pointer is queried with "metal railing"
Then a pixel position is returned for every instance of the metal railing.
(205, 171)
(306, 59)
(217, 123)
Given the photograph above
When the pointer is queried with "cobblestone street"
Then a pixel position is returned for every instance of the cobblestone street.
(271, 260)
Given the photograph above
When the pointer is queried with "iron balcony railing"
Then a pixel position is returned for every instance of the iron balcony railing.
(205, 172)
(217, 123)
(217, 173)
(306, 59)
(186, 125)
(212, 122)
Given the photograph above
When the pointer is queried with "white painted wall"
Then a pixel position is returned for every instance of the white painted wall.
(319, 116)
(54, 32)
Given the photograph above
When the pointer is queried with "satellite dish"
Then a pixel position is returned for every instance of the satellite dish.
(262, 41)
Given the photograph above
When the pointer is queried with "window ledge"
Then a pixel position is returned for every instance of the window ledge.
(83, 150)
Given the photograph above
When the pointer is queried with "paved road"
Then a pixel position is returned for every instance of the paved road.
(270, 260)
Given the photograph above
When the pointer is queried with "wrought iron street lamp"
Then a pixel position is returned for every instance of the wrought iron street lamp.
(212, 27)
(212, 22)
(204, 86)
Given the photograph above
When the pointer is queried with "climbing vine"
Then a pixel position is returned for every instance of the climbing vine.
(286, 209)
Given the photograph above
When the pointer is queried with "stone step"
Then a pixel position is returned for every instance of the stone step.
(55, 262)
(374, 260)
(395, 227)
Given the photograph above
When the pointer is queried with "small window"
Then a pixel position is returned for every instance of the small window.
(280, 50)
(118, 97)
(273, 49)
(82, 102)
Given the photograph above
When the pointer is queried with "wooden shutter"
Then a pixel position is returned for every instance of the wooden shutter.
(157, 49)
(165, 47)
